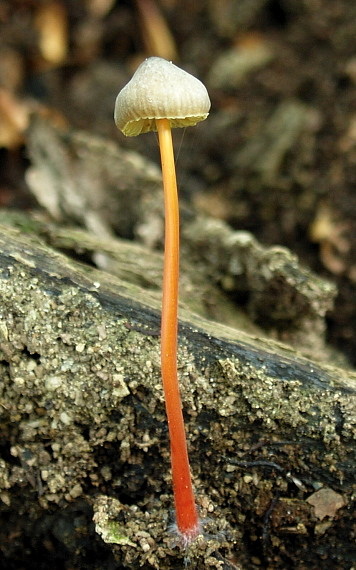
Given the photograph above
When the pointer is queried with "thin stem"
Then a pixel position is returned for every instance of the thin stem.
(186, 513)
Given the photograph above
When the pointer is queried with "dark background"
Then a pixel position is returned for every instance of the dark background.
(277, 154)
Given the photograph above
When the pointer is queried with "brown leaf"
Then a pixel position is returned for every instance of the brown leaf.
(326, 503)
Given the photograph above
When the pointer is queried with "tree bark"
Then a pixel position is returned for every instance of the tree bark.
(83, 423)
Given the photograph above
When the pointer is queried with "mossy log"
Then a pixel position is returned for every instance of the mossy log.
(83, 430)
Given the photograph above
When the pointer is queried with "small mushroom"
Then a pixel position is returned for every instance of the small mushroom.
(158, 97)
(160, 90)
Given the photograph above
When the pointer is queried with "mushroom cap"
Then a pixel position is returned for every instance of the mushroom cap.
(160, 90)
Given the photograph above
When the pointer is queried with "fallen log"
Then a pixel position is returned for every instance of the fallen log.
(83, 430)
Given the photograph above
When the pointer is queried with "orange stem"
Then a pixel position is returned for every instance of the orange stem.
(186, 513)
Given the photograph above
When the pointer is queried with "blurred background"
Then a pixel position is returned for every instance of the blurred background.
(276, 157)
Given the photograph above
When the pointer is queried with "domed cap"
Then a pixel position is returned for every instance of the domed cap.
(160, 90)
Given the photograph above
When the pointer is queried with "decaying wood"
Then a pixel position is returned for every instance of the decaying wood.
(83, 178)
(82, 413)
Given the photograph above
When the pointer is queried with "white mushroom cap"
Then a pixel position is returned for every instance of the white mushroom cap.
(160, 90)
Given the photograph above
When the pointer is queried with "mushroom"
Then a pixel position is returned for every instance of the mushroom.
(161, 96)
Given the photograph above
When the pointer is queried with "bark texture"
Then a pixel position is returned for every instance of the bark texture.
(83, 432)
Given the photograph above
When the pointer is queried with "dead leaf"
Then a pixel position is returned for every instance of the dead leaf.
(326, 503)
(51, 22)
(329, 233)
